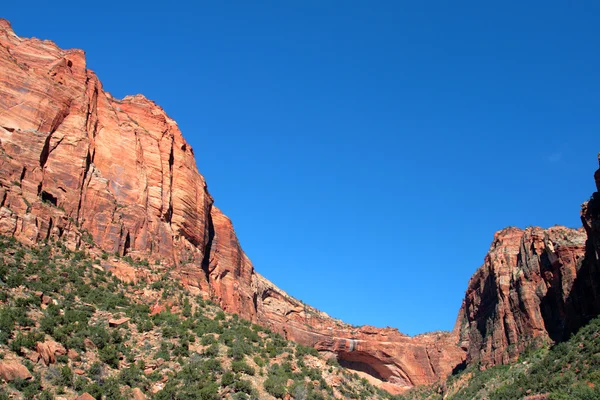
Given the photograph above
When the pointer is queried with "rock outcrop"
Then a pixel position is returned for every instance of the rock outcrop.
(13, 369)
(520, 294)
(536, 285)
(585, 297)
(48, 351)
(117, 175)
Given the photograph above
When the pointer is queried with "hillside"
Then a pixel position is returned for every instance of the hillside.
(568, 370)
(68, 327)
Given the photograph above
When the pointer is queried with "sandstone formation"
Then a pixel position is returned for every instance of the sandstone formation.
(49, 349)
(535, 285)
(137, 394)
(117, 322)
(117, 175)
(85, 396)
(13, 369)
(520, 293)
(585, 297)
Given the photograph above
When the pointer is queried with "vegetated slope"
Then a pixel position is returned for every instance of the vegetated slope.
(565, 371)
(76, 164)
(68, 326)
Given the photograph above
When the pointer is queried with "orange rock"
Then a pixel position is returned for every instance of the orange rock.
(137, 394)
(72, 354)
(156, 308)
(335, 381)
(12, 369)
(89, 345)
(117, 322)
(85, 396)
(33, 356)
(49, 349)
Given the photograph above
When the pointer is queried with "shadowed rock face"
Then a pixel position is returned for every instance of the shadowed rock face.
(78, 164)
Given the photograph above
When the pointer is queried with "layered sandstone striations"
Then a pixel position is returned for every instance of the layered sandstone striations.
(520, 294)
(535, 285)
(80, 165)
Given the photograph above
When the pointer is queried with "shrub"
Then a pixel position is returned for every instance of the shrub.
(243, 386)
(227, 379)
(211, 351)
(241, 366)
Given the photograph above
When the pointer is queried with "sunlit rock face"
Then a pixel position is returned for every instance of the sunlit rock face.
(536, 285)
(82, 166)
(519, 296)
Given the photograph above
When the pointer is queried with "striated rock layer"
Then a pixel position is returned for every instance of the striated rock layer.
(78, 164)
(536, 285)
(520, 294)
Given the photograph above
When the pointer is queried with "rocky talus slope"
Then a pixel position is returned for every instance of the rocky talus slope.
(82, 166)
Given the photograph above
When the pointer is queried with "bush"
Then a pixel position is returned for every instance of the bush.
(243, 386)
(227, 379)
(333, 361)
(212, 365)
(241, 366)
(211, 351)
(275, 386)
(110, 355)
(301, 351)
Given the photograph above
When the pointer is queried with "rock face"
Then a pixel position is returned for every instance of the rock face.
(586, 291)
(13, 369)
(80, 165)
(520, 294)
(535, 285)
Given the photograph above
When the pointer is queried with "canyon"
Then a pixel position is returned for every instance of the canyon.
(116, 176)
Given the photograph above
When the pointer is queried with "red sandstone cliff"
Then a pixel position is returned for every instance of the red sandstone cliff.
(535, 285)
(78, 164)
(520, 293)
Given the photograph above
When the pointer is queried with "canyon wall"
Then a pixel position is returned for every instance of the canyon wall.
(536, 285)
(117, 176)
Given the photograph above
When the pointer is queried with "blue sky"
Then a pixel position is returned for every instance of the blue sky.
(365, 151)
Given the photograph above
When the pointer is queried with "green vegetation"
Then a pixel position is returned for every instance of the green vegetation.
(565, 371)
(196, 351)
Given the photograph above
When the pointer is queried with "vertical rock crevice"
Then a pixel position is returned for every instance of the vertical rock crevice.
(86, 169)
(126, 244)
(208, 245)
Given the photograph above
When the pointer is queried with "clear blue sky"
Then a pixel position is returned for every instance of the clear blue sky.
(365, 151)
